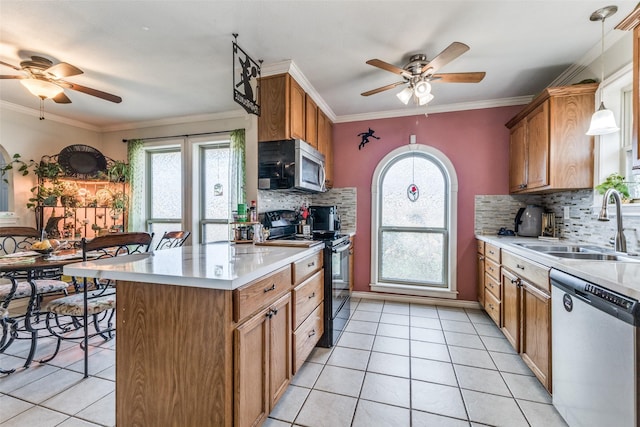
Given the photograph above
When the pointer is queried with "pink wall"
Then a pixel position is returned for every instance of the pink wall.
(476, 142)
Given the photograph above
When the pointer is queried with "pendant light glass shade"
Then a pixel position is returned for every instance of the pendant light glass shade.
(405, 95)
(41, 88)
(602, 122)
(424, 100)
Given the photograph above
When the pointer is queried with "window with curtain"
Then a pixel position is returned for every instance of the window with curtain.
(190, 184)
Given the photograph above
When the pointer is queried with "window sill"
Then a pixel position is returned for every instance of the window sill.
(417, 290)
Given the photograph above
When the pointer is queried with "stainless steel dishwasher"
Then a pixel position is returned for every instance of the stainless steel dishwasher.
(594, 353)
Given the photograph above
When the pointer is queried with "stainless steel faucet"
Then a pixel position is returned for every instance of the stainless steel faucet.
(620, 239)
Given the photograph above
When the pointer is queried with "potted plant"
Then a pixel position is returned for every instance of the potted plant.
(615, 180)
(68, 194)
(119, 202)
(118, 171)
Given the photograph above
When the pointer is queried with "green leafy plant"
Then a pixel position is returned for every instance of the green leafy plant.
(617, 181)
(119, 202)
(42, 169)
(118, 171)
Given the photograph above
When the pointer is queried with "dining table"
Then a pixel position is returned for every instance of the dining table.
(26, 267)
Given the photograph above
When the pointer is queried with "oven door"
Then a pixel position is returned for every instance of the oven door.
(339, 276)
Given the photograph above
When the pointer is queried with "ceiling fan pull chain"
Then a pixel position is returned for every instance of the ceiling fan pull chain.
(41, 108)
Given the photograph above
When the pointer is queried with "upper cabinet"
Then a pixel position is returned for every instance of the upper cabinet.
(548, 148)
(287, 112)
(632, 23)
(282, 109)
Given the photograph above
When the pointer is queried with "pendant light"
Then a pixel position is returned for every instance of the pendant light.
(602, 122)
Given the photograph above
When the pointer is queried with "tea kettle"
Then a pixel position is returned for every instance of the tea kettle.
(528, 221)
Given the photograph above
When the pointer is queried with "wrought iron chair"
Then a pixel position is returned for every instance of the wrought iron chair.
(79, 311)
(172, 239)
(21, 285)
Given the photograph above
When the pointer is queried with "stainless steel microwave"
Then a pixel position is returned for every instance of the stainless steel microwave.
(290, 164)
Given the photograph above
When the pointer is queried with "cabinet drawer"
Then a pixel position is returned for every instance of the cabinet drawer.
(306, 297)
(493, 286)
(492, 305)
(252, 297)
(480, 246)
(492, 268)
(307, 266)
(307, 336)
(492, 252)
(535, 273)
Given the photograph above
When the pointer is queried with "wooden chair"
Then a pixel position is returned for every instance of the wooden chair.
(172, 239)
(21, 285)
(64, 315)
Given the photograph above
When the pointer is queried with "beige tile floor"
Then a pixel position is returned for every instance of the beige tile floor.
(396, 365)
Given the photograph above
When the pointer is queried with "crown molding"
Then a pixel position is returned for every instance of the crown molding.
(50, 117)
(234, 114)
(504, 102)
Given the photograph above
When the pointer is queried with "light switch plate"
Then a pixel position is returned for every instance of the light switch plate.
(567, 212)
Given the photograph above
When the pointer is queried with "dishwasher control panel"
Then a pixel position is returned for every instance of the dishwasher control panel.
(601, 298)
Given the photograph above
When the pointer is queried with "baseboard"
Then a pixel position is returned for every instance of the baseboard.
(415, 299)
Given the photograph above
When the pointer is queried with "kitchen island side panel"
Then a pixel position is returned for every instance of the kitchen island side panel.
(174, 358)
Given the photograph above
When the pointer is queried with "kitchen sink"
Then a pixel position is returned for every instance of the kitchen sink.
(587, 252)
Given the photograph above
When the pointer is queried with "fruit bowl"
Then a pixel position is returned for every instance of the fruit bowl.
(43, 251)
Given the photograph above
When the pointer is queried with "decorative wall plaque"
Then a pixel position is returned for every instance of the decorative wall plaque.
(246, 73)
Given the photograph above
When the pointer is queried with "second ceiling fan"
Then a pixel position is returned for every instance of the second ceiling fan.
(419, 72)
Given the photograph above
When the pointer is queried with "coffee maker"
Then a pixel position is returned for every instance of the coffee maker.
(324, 218)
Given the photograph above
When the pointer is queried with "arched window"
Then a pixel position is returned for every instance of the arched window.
(413, 227)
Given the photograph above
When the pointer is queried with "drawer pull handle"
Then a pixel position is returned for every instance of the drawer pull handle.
(312, 333)
(514, 281)
(491, 307)
(274, 311)
(311, 264)
(271, 288)
(521, 267)
(269, 314)
(312, 295)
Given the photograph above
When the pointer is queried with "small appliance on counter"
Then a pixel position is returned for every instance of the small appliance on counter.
(528, 222)
(324, 218)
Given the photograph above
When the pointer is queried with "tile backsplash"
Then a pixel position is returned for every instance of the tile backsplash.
(343, 198)
(582, 225)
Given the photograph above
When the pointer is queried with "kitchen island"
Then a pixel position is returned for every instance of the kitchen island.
(204, 332)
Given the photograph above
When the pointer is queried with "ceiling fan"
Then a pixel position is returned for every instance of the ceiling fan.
(45, 80)
(419, 72)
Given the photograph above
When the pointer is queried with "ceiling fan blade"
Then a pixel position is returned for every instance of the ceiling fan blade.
(382, 89)
(63, 70)
(11, 66)
(90, 91)
(61, 98)
(454, 50)
(388, 67)
(459, 77)
(13, 77)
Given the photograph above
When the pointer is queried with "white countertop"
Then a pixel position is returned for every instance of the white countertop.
(618, 276)
(224, 266)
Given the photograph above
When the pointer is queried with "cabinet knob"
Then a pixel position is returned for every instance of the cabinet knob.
(271, 288)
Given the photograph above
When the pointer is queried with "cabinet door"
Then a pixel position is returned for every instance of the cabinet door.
(279, 348)
(352, 255)
(251, 368)
(517, 157)
(297, 100)
(635, 142)
(325, 146)
(481, 279)
(511, 308)
(272, 122)
(538, 147)
(536, 332)
(311, 122)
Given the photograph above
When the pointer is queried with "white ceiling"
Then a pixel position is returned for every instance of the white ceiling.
(170, 59)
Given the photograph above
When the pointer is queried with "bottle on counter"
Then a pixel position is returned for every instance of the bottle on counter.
(253, 212)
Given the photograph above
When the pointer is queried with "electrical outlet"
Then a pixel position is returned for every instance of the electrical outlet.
(567, 212)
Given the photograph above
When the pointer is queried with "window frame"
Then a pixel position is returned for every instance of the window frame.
(449, 290)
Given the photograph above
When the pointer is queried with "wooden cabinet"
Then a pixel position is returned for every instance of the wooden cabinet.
(325, 145)
(548, 148)
(480, 280)
(262, 342)
(311, 122)
(352, 257)
(492, 293)
(526, 312)
(262, 362)
(308, 304)
(632, 23)
(282, 107)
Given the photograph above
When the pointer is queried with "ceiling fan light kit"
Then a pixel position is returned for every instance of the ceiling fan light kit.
(603, 121)
(42, 88)
(419, 73)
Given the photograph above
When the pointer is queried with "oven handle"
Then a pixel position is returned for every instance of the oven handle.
(341, 248)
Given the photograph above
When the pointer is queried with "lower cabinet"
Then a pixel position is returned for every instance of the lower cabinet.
(480, 266)
(262, 368)
(526, 313)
